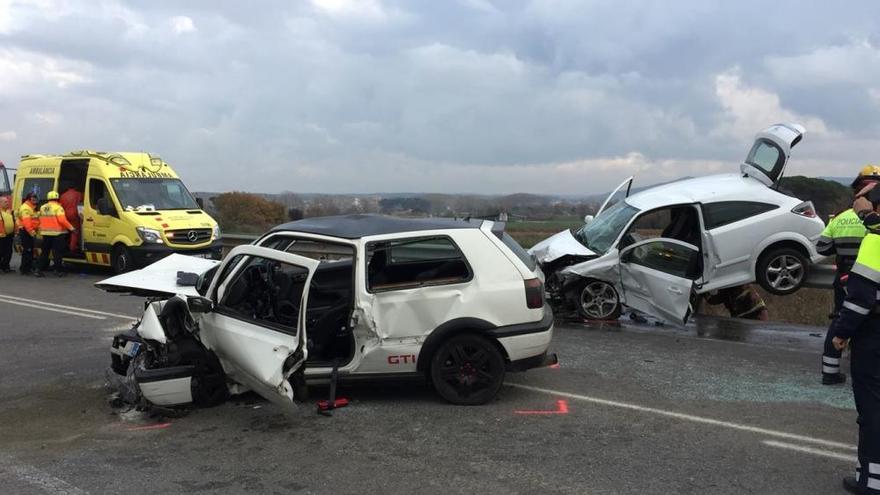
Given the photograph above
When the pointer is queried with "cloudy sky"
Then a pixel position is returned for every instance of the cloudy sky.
(496, 96)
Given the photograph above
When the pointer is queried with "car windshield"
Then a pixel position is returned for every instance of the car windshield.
(600, 234)
(153, 194)
(4, 182)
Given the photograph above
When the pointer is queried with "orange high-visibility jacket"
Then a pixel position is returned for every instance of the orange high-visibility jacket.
(53, 220)
(70, 200)
(28, 218)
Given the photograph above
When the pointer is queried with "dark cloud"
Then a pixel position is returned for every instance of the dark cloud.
(344, 95)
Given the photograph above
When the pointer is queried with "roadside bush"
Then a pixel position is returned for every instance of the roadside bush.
(247, 213)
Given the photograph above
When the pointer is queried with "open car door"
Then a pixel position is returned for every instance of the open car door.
(657, 277)
(256, 322)
(769, 155)
(620, 193)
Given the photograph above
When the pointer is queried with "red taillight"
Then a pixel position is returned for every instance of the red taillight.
(534, 293)
(805, 209)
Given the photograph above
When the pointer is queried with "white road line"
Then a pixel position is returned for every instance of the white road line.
(40, 479)
(80, 311)
(810, 450)
(689, 417)
(74, 313)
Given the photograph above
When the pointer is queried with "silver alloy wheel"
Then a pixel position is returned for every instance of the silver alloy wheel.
(599, 300)
(785, 272)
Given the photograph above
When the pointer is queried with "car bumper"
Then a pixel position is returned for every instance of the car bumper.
(526, 344)
(149, 253)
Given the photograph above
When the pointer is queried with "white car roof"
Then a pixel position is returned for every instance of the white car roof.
(708, 189)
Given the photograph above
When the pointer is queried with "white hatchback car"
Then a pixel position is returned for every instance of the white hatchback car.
(358, 296)
(653, 250)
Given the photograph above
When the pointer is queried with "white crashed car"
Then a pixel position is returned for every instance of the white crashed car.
(653, 250)
(359, 296)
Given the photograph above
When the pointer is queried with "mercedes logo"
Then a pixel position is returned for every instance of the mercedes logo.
(192, 235)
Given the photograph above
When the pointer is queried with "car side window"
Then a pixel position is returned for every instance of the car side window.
(97, 190)
(410, 263)
(726, 212)
(265, 292)
(667, 257)
(40, 187)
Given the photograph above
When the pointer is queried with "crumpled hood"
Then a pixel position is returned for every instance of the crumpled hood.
(160, 277)
(557, 246)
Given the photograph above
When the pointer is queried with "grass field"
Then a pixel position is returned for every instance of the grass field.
(806, 307)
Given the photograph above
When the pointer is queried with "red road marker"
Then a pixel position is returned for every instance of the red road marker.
(561, 408)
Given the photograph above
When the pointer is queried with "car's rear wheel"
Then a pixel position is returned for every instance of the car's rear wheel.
(597, 300)
(782, 270)
(467, 370)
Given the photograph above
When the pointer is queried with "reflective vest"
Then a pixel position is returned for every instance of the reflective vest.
(53, 220)
(842, 238)
(7, 223)
(862, 291)
(28, 218)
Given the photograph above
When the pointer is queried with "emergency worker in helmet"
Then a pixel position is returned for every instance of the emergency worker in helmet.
(54, 227)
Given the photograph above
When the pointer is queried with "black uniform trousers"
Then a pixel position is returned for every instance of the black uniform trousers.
(865, 369)
(57, 245)
(830, 355)
(27, 252)
(5, 252)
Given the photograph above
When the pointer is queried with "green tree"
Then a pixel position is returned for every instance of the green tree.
(247, 213)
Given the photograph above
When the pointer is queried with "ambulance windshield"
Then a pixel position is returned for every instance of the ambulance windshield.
(153, 194)
(4, 182)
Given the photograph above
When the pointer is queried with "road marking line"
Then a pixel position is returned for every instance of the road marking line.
(810, 450)
(40, 479)
(40, 304)
(75, 313)
(689, 417)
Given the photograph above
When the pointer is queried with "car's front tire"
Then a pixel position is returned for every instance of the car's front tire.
(782, 271)
(467, 370)
(596, 300)
(121, 259)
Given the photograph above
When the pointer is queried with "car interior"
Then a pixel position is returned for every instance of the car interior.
(270, 291)
(680, 222)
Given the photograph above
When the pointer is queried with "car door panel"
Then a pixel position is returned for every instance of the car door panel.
(657, 278)
(255, 352)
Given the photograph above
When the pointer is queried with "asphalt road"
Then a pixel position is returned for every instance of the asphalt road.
(714, 408)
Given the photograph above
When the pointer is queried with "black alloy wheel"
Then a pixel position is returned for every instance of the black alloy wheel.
(467, 370)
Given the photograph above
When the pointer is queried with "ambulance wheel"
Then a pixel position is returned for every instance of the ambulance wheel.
(121, 260)
(781, 271)
(597, 300)
(467, 370)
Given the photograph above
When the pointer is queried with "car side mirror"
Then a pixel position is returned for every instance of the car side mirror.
(105, 207)
(588, 219)
(201, 203)
(198, 304)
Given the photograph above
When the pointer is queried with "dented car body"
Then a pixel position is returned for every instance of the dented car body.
(358, 296)
(656, 250)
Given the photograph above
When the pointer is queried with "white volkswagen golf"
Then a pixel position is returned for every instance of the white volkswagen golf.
(359, 296)
(652, 250)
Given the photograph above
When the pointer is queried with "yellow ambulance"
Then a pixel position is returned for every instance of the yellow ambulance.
(135, 209)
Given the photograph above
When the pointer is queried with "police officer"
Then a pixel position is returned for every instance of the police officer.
(29, 224)
(859, 323)
(841, 239)
(54, 227)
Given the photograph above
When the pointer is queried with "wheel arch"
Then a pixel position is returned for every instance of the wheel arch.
(451, 328)
(784, 243)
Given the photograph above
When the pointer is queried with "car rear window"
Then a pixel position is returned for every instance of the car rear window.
(518, 250)
(410, 263)
(726, 212)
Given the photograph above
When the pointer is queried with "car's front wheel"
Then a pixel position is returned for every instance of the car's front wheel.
(782, 271)
(467, 370)
(121, 260)
(597, 300)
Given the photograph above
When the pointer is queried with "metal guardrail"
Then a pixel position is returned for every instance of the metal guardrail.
(820, 276)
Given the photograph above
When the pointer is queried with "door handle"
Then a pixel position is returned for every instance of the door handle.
(674, 290)
(89, 219)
